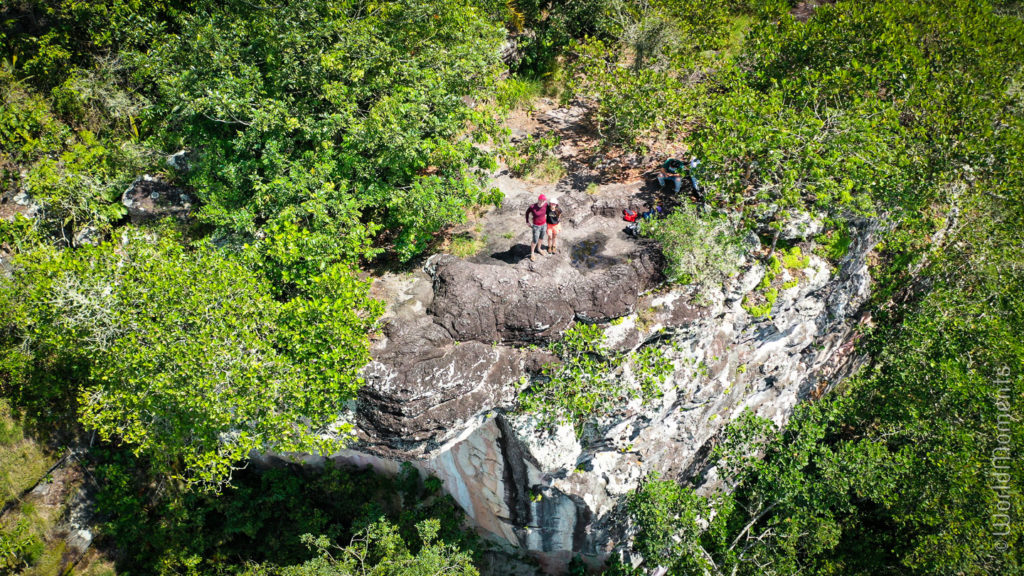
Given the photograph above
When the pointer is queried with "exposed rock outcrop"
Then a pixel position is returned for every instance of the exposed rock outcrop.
(445, 405)
(150, 198)
(490, 303)
(459, 343)
(423, 386)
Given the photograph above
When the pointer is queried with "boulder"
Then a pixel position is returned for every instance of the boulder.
(151, 198)
(422, 385)
(87, 236)
(179, 161)
(494, 303)
(799, 226)
(18, 203)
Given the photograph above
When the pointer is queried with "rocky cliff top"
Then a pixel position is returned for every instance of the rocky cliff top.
(462, 336)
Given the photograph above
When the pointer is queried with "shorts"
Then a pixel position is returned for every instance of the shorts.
(552, 229)
(539, 232)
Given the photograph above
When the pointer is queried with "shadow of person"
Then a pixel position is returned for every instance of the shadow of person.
(515, 254)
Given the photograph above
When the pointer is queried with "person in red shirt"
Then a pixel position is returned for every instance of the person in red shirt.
(537, 218)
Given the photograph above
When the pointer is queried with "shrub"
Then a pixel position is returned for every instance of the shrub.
(524, 157)
(590, 381)
(702, 250)
(516, 93)
(793, 259)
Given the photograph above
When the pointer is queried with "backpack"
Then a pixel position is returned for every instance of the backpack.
(629, 215)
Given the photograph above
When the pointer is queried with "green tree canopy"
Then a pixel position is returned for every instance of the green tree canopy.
(184, 354)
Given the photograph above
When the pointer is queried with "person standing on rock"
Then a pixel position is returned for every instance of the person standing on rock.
(554, 213)
(537, 218)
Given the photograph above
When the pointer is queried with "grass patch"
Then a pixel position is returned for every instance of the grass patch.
(549, 169)
(526, 157)
(465, 245)
(22, 461)
(593, 188)
(26, 546)
(516, 93)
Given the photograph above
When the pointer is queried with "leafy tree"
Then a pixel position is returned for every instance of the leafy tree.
(380, 551)
(366, 133)
(667, 517)
(183, 354)
(631, 104)
(591, 380)
(259, 519)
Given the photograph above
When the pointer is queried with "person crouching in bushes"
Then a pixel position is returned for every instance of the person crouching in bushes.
(671, 170)
(537, 218)
(554, 213)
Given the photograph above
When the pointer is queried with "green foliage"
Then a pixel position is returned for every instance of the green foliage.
(657, 33)
(79, 189)
(555, 26)
(592, 381)
(774, 157)
(28, 129)
(365, 134)
(760, 304)
(630, 104)
(834, 244)
(550, 169)
(379, 550)
(764, 306)
(260, 519)
(75, 176)
(666, 517)
(184, 355)
(466, 245)
(20, 547)
(515, 93)
(50, 39)
(702, 250)
(792, 259)
(528, 155)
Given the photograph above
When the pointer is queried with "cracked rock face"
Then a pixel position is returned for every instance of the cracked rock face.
(441, 390)
(422, 385)
(492, 303)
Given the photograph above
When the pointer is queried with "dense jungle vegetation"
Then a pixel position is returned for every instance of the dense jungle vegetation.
(325, 138)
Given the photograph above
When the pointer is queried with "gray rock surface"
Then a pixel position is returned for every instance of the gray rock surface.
(491, 303)
(422, 386)
(446, 406)
(150, 198)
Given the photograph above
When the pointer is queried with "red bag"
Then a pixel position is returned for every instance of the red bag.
(629, 215)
